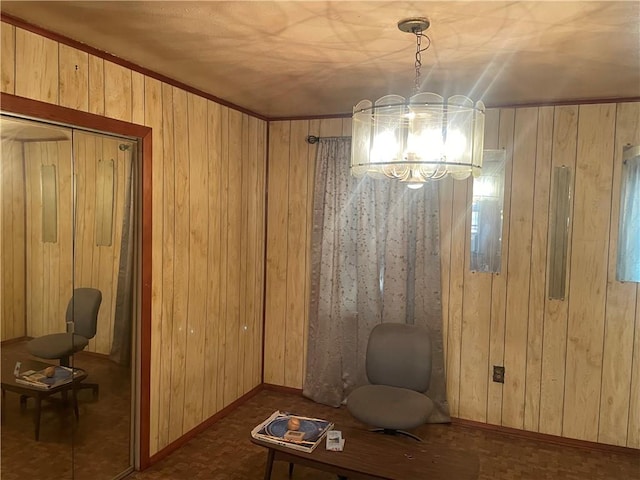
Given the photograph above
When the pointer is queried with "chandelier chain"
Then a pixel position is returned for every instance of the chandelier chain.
(418, 62)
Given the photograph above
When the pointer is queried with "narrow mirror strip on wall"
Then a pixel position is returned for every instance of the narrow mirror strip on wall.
(486, 214)
(628, 264)
(49, 204)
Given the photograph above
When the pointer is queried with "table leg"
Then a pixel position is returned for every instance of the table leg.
(2, 406)
(290, 469)
(74, 399)
(38, 405)
(267, 471)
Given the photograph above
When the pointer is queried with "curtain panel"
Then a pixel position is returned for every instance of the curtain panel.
(375, 258)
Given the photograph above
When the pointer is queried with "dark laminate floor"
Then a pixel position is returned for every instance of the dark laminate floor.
(224, 451)
(99, 441)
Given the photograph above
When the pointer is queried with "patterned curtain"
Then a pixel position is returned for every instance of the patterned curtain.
(375, 258)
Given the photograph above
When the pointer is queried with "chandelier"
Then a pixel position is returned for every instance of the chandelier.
(420, 138)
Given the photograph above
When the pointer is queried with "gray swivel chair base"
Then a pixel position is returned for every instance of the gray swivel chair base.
(95, 388)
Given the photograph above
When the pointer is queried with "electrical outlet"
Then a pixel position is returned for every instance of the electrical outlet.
(498, 374)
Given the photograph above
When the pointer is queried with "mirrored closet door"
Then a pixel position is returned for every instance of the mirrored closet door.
(67, 223)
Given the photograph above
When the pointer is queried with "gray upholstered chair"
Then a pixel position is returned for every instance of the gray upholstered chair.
(82, 313)
(398, 366)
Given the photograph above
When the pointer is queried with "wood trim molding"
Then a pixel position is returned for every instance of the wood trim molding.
(18, 22)
(176, 444)
(282, 389)
(543, 437)
(66, 116)
(11, 341)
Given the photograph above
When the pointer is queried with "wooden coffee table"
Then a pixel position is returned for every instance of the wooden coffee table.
(9, 384)
(369, 455)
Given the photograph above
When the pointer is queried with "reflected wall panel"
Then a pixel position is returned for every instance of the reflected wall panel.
(12, 244)
(48, 264)
(565, 360)
(201, 212)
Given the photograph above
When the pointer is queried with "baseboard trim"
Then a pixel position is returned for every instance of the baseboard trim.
(544, 437)
(176, 444)
(282, 389)
(11, 341)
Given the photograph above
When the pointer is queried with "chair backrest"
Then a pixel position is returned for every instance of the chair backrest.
(83, 311)
(399, 355)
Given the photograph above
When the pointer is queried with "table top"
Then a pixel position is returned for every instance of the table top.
(386, 456)
(8, 378)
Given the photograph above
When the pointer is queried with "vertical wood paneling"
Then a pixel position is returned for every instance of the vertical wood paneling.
(276, 301)
(153, 118)
(445, 200)
(117, 91)
(296, 249)
(249, 221)
(456, 289)
(259, 289)
(36, 67)
(330, 127)
(74, 78)
(198, 244)
(243, 329)
(589, 271)
(208, 225)
(214, 278)
(233, 360)
(168, 188)
(224, 202)
(499, 282)
(476, 312)
(621, 311)
(96, 85)
(137, 98)
(8, 55)
(181, 263)
(519, 267)
(537, 293)
(12, 238)
(554, 339)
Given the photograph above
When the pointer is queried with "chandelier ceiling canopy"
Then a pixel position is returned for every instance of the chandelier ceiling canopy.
(419, 138)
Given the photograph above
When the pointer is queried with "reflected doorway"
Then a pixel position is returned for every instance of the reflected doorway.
(68, 222)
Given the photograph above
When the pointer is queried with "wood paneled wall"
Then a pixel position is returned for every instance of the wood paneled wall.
(572, 366)
(209, 167)
(289, 217)
(12, 241)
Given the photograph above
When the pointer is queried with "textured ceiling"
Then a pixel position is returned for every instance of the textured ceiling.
(283, 59)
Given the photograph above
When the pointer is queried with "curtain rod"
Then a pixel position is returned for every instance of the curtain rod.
(315, 139)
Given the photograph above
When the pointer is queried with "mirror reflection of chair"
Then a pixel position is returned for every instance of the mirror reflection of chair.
(82, 315)
(398, 366)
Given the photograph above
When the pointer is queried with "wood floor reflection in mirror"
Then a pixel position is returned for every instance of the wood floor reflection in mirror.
(98, 441)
